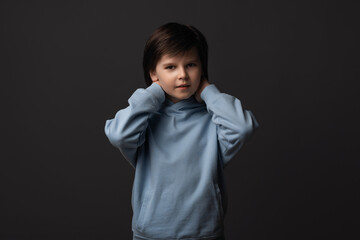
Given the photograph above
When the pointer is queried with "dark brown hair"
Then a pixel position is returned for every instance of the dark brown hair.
(173, 39)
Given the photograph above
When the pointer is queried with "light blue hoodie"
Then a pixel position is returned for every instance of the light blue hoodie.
(179, 151)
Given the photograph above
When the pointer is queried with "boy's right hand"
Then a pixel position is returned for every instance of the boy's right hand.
(203, 84)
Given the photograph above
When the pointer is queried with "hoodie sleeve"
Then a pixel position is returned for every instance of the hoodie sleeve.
(126, 131)
(234, 124)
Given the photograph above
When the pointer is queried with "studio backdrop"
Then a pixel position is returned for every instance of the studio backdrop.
(68, 66)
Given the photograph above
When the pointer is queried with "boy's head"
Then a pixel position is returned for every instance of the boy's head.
(174, 39)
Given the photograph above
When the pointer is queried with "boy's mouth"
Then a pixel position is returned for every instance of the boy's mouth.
(183, 86)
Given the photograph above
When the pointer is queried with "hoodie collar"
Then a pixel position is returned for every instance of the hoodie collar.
(190, 102)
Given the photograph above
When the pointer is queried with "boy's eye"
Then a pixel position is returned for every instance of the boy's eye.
(170, 67)
(191, 65)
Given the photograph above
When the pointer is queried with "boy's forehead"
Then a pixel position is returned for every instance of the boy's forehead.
(191, 54)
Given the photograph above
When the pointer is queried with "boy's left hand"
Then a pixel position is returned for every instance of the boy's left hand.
(203, 84)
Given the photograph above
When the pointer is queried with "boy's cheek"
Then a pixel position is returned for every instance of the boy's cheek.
(165, 90)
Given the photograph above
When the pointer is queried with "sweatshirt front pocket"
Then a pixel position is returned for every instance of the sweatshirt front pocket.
(184, 214)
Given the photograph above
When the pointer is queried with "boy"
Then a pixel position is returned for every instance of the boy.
(178, 134)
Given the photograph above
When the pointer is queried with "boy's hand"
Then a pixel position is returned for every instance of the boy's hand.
(203, 84)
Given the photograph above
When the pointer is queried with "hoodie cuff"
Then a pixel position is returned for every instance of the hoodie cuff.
(157, 92)
(208, 92)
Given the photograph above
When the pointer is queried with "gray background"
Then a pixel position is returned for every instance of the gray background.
(68, 66)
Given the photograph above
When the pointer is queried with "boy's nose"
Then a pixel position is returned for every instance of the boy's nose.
(182, 73)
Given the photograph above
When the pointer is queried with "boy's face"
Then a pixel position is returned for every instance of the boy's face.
(179, 76)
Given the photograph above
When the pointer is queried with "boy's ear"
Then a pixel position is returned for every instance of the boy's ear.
(154, 77)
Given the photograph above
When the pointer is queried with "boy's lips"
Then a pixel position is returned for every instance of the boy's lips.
(183, 86)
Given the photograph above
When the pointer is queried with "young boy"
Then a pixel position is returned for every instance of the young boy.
(178, 134)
